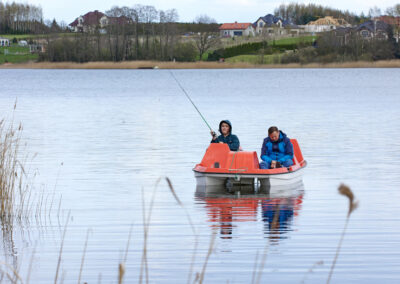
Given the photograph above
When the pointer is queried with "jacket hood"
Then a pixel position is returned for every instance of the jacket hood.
(282, 135)
(227, 122)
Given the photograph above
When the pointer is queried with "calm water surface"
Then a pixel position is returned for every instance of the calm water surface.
(115, 132)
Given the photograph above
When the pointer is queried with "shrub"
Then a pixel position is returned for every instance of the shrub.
(185, 52)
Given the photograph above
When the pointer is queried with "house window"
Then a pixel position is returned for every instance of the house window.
(237, 33)
(365, 33)
(260, 24)
(380, 34)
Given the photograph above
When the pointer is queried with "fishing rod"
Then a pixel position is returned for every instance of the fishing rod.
(179, 84)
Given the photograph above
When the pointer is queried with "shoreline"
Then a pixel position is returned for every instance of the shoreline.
(195, 65)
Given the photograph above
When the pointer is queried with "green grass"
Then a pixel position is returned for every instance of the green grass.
(33, 36)
(252, 59)
(269, 59)
(292, 40)
(17, 54)
(20, 37)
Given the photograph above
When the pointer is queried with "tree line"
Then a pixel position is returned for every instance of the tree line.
(18, 18)
(302, 14)
(140, 32)
(329, 48)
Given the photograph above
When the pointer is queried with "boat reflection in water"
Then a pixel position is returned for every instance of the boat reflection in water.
(276, 209)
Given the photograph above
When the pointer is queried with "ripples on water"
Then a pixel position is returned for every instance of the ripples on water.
(117, 131)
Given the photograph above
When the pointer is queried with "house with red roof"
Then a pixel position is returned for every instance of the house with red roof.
(394, 22)
(96, 20)
(236, 29)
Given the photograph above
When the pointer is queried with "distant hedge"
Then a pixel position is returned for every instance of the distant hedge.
(250, 48)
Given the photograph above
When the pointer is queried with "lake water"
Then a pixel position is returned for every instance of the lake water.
(104, 137)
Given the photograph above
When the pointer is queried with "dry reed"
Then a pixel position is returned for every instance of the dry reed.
(15, 278)
(196, 242)
(196, 65)
(61, 249)
(259, 264)
(83, 256)
(346, 191)
(146, 225)
(311, 270)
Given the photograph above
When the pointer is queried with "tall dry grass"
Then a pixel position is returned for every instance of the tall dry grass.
(15, 192)
(196, 65)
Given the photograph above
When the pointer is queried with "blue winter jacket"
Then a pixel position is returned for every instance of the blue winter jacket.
(232, 140)
(280, 150)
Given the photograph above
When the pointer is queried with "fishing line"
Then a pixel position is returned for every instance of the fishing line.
(173, 76)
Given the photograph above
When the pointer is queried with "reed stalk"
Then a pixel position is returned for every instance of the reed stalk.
(83, 256)
(346, 191)
(61, 249)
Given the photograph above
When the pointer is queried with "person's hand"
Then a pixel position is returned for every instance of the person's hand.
(214, 135)
(273, 164)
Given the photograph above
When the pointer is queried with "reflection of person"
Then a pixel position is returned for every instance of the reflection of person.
(278, 213)
(225, 128)
(277, 150)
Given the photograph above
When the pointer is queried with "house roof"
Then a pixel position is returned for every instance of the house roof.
(272, 20)
(389, 20)
(328, 20)
(91, 18)
(373, 25)
(341, 31)
(235, 26)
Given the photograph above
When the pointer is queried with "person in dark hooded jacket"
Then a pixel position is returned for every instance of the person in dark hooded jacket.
(277, 150)
(225, 128)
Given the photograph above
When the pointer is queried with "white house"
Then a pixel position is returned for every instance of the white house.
(4, 42)
(236, 29)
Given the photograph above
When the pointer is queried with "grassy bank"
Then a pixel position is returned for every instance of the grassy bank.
(16, 54)
(195, 65)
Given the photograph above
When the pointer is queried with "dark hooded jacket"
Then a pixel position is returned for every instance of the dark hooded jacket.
(231, 139)
(280, 150)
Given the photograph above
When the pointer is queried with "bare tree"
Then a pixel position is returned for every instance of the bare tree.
(205, 39)
(205, 19)
(374, 12)
(167, 33)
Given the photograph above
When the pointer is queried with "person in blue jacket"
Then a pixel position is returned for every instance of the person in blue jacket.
(225, 128)
(277, 150)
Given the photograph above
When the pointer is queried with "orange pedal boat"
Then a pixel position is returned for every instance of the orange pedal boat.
(221, 167)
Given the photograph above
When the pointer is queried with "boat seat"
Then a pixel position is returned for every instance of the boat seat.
(297, 155)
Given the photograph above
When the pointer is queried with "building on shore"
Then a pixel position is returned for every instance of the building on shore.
(236, 29)
(373, 29)
(273, 26)
(325, 25)
(36, 48)
(4, 42)
(96, 20)
(394, 22)
(368, 30)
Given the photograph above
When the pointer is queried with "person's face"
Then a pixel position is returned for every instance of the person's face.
(225, 128)
(274, 136)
